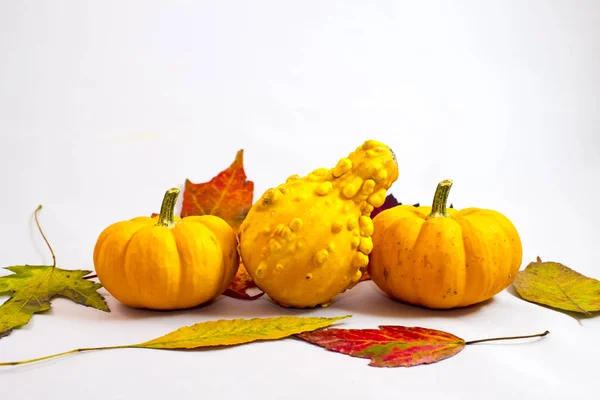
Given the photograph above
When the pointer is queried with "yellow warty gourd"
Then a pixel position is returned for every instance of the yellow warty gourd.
(309, 239)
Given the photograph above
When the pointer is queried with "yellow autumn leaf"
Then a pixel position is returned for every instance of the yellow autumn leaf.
(556, 285)
(236, 331)
(219, 333)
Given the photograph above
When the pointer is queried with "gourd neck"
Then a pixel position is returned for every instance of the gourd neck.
(440, 199)
(166, 216)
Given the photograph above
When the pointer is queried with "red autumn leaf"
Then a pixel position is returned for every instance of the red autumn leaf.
(390, 201)
(228, 195)
(396, 346)
(241, 283)
(389, 346)
(365, 277)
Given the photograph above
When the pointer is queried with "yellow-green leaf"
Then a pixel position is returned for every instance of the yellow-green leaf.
(32, 287)
(558, 286)
(236, 331)
(218, 333)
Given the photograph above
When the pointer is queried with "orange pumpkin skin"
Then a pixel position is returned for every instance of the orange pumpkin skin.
(166, 262)
(451, 260)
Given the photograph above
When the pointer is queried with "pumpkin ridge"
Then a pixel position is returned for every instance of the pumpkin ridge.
(495, 219)
(99, 251)
(158, 278)
(127, 275)
(188, 292)
(117, 284)
(102, 239)
(227, 243)
(183, 265)
(213, 287)
(478, 289)
(408, 252)
(420, 266)
(456, 286)
(120, 266)
(513, 239)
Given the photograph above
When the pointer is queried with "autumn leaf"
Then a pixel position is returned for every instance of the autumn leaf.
(390, 201)
(556, 285)
(219, 333)
(237, 331)
(32, 287)
(365, 277)
(240, 284)
(228, 195)
(390, 346)
(395, 346)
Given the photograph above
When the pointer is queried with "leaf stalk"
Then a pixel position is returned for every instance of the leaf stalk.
(508, 338)
(9, 363)
(35, 216)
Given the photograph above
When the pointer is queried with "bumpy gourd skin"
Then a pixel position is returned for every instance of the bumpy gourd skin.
(445, 262)
(308, 240)
(145, 265)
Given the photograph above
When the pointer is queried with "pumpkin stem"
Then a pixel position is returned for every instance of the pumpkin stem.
(440, 199)
(167, 209)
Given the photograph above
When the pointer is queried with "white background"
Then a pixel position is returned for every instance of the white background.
(105, 105)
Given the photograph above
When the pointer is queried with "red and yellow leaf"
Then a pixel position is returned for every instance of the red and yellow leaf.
(389, 346)
(228, 195)
(241, 283)
(365, 277)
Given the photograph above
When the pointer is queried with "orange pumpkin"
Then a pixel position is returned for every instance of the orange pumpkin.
(443, 258)
(166, 262)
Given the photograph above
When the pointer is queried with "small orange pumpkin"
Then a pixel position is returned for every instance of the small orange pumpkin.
(443, 258)
(166, 262)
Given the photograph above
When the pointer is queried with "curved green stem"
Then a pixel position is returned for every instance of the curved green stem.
(167, 209)
(5, 364)
(44, 236)
(508, 338)
(440, 199)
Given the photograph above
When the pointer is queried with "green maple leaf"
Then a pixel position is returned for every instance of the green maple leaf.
(32, 287)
